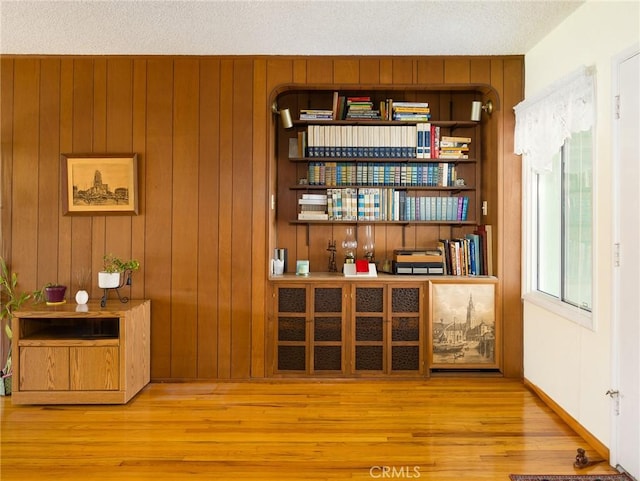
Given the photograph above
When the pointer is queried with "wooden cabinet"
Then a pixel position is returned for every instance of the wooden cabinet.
(309, 329)
(388, 328)
(407, 326)
(348, 329)
(65, 355)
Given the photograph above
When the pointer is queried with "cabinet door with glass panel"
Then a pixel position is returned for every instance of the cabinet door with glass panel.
(309, 330)
(387, 329)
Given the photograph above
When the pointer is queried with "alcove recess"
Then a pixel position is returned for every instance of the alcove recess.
(450, 108)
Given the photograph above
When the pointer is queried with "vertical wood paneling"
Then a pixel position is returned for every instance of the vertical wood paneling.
(480, 71)
(158, 228)
(242, 206)
(456, 70)
(430, 71)
(118, 123)
(208, 216)
(139, 120)
(386, 71)
(184, 223)
(48, 168)
(24, 221)
(6, 173)
(225, 234)
(511, 236)
(6, 155)
(320, 70)
(403, 71)
(260, 213)
(299, 70)
(370, 71)
(100, 114)
(346, 71)
(98, 223)
(87, 123)
(206, 141)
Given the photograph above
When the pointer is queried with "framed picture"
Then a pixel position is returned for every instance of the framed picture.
(463, 327)
(99, 184)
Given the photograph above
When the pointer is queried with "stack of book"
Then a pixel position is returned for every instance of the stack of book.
(454, 147)
(313, 207)
(316, 114)
(410, 111)
(361, 108)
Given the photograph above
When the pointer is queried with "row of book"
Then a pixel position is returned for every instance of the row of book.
(363, 108)
(381, 204)
(470, 255)
(419, 174)
(419, 141)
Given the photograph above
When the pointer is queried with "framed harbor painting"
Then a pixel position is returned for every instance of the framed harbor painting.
(463, 327)
(99, 184)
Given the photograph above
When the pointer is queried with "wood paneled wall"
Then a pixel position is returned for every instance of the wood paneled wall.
(204, 134)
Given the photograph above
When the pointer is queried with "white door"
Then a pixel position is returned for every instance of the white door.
(625, 449)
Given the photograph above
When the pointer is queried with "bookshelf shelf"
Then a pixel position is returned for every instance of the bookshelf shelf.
(387, 222)
(400, 160)
(456, 188)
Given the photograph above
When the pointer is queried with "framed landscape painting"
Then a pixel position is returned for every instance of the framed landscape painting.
(99, 184)
(463, 327)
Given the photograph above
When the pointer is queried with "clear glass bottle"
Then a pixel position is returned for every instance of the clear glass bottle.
(369, 244)
(349, 244)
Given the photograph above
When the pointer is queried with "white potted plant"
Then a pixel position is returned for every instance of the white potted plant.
(113, 267)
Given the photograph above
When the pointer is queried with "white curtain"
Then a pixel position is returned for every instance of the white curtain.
(544, 122)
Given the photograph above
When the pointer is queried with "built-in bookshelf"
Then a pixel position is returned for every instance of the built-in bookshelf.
(407, 164)
(357, 163)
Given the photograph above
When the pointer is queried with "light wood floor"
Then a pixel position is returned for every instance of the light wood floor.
(439, 429)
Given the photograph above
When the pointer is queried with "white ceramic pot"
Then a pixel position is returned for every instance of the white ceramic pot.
(108, 280)
(82, 297)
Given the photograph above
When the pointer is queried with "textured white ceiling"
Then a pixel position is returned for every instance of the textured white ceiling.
(284, 27)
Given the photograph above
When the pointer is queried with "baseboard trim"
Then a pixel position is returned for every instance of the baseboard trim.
(594, 442)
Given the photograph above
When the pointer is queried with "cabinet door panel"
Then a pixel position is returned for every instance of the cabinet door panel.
(292, 299)
(369, 358)
(292, 358)
(327, 358)
(44, 368)
(292, 329)
(95, 368)
(405, 358)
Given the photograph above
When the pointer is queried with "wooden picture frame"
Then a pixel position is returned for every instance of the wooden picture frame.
(99, 184)
(464, 330)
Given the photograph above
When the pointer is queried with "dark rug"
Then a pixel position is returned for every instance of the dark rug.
(569, 477)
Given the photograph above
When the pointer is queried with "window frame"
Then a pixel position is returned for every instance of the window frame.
(530, 292)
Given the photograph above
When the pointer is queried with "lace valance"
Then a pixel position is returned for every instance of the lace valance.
(544, 122)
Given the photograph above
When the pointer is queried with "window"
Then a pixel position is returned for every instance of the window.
(562, 225)
(554, 134)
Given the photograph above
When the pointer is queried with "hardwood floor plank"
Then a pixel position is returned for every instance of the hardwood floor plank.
(440, 429)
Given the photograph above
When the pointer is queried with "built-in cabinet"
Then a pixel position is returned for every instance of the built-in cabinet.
(387, 328)
(327, 325)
